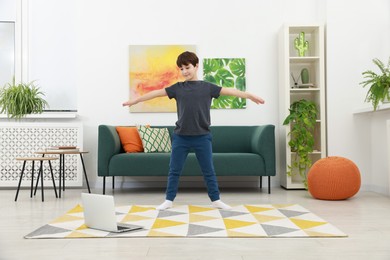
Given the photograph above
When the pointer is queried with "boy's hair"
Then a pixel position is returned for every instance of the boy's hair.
(186, 58)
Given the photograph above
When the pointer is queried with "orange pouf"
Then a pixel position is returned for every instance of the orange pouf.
(333, 178)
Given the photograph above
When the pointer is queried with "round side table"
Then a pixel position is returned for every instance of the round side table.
(62, 153)
(40, 173)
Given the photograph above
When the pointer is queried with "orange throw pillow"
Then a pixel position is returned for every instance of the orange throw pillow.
(131, 142)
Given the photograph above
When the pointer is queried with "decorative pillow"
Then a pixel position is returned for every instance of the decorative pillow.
(131, 142)
(155, 139)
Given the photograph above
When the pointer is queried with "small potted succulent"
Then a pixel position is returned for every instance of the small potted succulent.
(379, 84)
(18, 100)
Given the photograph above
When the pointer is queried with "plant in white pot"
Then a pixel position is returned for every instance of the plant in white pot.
(379, 84)
(302, 120)
(18, 100)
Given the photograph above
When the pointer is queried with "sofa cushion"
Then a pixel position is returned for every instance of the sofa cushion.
(155, 139)
(227, 139)
(130, 140)
(157, 164)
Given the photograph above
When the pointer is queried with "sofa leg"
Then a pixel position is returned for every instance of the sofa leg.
(269, 184)
(113, 182)
(261, 182)
(104, 185)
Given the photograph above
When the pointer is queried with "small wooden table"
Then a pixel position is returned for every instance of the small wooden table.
(61, 153)
(40, 174)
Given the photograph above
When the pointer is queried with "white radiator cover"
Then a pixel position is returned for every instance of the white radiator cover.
(23, 139)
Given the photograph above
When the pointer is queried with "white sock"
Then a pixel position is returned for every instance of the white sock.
(220, 205)
(165, 205)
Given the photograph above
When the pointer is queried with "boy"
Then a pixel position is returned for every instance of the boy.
(193, 101)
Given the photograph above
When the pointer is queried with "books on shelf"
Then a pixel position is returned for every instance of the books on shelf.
(66, 147)
(62, 149)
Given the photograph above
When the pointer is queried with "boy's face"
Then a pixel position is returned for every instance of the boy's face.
(189, 72)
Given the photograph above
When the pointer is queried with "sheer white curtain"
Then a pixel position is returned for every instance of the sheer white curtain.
(7, 40)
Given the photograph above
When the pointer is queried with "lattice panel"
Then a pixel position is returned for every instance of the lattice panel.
(22, 140)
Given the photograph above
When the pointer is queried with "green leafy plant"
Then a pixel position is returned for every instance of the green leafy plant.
(302, 117)
(379, 83)
(229, 73)
(18, 100)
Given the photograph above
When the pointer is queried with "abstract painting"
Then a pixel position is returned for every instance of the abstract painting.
(153, 67)
(228, 73)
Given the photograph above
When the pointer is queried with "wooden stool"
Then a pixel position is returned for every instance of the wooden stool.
(40, 173)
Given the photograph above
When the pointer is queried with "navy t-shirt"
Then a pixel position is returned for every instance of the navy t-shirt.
(193, 101)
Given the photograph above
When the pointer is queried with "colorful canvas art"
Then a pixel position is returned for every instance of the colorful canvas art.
(228, 73)
(154, 67)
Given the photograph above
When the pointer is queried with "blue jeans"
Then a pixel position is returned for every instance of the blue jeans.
(181, 145)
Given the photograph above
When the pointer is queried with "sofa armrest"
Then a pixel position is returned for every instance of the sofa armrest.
(263, 143)
(109, 144)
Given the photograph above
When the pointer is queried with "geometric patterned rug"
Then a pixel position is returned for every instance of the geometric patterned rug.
(266, 220)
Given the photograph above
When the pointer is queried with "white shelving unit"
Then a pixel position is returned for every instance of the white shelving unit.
(291, 64)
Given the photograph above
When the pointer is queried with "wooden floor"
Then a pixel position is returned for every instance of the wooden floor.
(365, 218)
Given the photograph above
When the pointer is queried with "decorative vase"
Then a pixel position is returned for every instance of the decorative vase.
(305, 76)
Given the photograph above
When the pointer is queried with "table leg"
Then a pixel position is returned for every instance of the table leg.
(37, 182)
(52, 178)
(32, 179)
(63, 172)
(20, 180)
(85, 173)
(60, 177)
(41, 170)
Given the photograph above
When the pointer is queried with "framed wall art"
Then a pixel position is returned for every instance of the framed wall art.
(228, 73)
(153, 67)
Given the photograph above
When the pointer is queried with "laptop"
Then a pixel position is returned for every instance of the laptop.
(99, 213)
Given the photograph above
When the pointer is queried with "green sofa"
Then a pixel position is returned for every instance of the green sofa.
(237, 151)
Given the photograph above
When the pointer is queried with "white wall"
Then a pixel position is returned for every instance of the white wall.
(357, 32)
(52, 61)
(93, 57)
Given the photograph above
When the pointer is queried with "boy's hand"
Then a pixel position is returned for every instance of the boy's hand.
(129, 103)
(241, 94)
(256, 99)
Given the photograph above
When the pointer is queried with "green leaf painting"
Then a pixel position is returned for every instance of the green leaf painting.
(228, 73)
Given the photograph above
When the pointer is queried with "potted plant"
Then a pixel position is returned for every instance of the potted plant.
(302, 117)
(18, 100)
(379, 84)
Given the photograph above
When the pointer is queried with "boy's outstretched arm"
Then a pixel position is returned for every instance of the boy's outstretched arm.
(241, 94)
(148, 96)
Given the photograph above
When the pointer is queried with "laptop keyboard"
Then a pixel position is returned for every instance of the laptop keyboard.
(122, 227)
